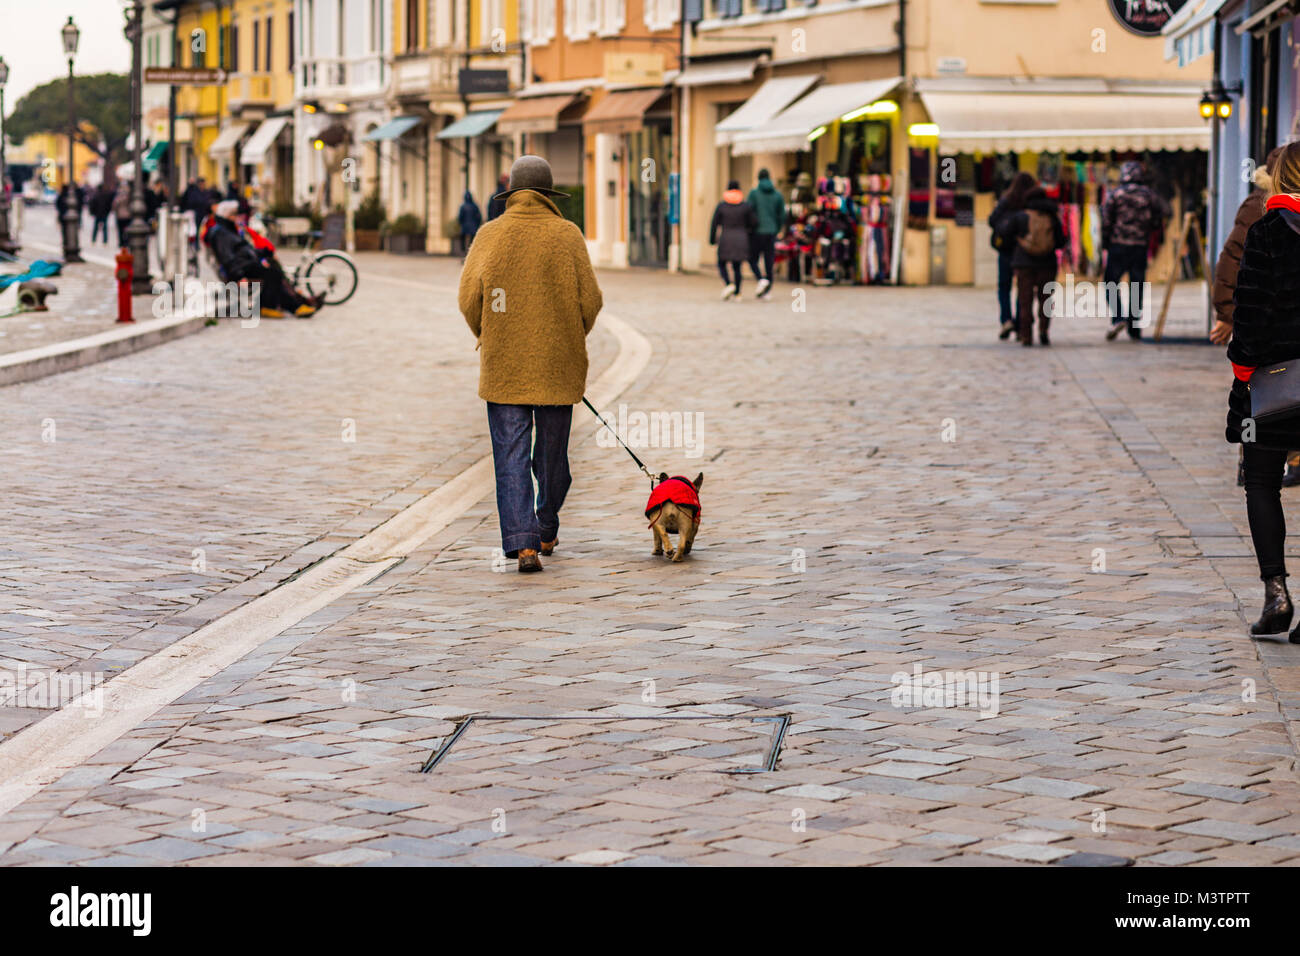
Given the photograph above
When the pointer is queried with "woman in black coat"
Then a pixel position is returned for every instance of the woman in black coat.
(733, 221)
(1265, 331)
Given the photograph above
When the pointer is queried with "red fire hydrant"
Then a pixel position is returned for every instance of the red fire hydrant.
(125, 271)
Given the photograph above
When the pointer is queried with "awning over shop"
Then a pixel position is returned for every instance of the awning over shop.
(771, 98)
(1189, 35)
(621, 112)
(1263, 19)
(227, 139)
(721, 71)
(789, 130)
(560, 86)
(1066, 122)
(538, 114)
(392, 129)
(149, 162)
(254, 151)
(471, 125)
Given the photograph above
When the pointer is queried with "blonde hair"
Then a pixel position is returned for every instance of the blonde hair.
(1286, 175)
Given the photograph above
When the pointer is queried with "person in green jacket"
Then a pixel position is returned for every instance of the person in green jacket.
(769, 208)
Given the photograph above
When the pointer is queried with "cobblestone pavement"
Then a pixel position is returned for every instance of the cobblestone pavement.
(86, 301)
(887, 487)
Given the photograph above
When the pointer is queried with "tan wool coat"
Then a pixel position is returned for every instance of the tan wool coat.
(529, 294)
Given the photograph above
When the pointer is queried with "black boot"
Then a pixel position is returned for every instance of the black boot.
(1276, 616)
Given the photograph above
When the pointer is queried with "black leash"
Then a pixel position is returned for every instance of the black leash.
(639, 462)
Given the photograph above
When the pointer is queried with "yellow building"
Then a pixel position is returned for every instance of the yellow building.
(49, 152)
(238, 131)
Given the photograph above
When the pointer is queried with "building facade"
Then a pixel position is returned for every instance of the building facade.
(1249, 49)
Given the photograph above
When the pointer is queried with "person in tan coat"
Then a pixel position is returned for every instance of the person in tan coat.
(529, 295)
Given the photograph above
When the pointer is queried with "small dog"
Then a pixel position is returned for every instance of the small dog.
(674, 508)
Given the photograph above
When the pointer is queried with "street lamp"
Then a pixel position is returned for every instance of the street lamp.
(7, 245)
(137, 234)
(72, 207)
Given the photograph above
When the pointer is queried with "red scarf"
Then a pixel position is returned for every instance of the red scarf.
(1283, 201)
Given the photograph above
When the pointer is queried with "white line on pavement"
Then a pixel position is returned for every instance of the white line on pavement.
(38, 755)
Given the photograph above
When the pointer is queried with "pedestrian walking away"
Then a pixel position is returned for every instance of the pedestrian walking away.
(1130, 215)
(733, 222)
(101, 207)
(1034, 233)
(529, 295)
(470, 219)
(1266, 331)
(769, 214)
(1012, 201)
(496, 205)
(122, 212)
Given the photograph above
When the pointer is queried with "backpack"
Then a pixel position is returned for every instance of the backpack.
(1039, 238)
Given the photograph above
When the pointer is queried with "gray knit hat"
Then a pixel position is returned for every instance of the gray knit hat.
(531, 172)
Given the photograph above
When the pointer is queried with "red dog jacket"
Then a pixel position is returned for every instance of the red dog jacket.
(679, 491)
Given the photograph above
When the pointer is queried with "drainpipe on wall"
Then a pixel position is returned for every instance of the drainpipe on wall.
(1212, 213)
(683, 145)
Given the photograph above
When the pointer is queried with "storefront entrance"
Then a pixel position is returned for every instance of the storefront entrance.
(649, 158)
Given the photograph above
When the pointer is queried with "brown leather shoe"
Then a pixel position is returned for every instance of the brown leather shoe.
(528, 561)
(548, 547)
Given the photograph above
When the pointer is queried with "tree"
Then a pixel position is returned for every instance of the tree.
(103, 107)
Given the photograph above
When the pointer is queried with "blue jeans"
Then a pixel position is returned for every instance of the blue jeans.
(526, 521)
(1004, 289)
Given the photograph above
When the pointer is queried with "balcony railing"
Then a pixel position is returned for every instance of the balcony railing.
(343, 76)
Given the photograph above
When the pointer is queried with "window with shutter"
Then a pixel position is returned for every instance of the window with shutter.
(268, 45)
(615, 16)
(694, 11)
(546, 20)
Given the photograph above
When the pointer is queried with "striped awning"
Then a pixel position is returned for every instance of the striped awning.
(985, 122)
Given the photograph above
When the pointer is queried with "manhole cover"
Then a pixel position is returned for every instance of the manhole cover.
(640, 746)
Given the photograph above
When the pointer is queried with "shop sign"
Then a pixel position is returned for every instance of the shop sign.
(1146, 18)
(184, 75)
(484, 81)
(950, 64)
(634, 69)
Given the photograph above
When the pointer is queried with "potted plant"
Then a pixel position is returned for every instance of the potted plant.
(406, 234)
(367, 222)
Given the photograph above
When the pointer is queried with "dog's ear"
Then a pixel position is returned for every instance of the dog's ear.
(699, 480)
(663, 476)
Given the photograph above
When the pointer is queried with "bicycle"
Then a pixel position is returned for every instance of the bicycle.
(330, 274)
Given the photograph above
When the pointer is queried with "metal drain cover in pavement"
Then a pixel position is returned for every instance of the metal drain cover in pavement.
(639, 746)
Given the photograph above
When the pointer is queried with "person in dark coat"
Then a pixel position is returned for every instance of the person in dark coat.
(733, 221)
(1034, 234)
(1131, 214)
(769, 213)
(240, 261)
(497, 204)
(101, 206)
(470, 219)
(1012, 201)
(1225, 283)
(1265, 331)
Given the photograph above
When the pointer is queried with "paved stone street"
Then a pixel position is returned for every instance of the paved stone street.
(887, 487)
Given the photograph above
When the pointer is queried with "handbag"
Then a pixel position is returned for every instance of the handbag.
(1275, 391)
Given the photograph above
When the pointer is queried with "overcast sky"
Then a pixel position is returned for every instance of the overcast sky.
(32, 45)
